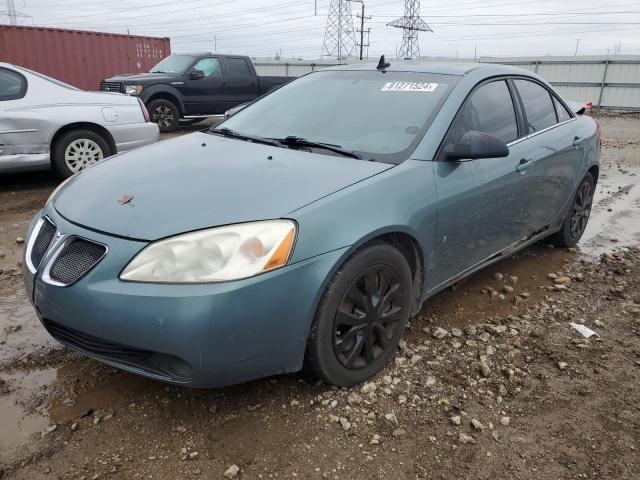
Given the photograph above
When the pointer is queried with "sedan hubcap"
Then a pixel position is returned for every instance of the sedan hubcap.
(581, 210)
(368, 317)
(82, 153)
(162, 116)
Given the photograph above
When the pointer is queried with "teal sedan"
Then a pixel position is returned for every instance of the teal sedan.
(305, 229)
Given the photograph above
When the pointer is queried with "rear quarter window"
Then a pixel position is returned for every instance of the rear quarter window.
(538, 105)
(12, 85)
(563, 113)
(237, 67)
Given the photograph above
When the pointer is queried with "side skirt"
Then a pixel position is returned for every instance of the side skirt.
(501, 255)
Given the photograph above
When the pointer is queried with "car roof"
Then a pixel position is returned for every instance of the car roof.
(441, 68)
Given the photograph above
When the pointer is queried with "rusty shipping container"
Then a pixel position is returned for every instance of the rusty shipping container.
(77, 57)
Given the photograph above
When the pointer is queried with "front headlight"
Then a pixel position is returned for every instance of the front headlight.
(133, 89)
(215, 255)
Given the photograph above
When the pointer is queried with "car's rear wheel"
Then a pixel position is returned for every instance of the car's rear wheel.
(77, 150)
(361, 316)
(165, 114)
(576, 221)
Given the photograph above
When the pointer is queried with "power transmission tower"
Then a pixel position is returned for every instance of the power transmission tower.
(339, 35)
(411, 24)
(12, 13)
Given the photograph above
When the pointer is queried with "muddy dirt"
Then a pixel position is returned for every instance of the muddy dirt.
(491, 380)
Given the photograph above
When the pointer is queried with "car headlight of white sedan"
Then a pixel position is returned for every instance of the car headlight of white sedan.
(216, 254)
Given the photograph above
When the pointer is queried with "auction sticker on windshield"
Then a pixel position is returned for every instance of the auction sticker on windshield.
(409, 87)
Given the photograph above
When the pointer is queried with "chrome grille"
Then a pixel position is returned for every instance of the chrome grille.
(76, 258)
(42, 242)
(111, 87)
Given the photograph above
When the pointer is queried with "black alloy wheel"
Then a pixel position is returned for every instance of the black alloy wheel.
(577, 217)
(361, 316)
(581, 210)
(368, 317)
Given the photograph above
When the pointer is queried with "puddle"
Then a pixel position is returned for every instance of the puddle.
(615, 216)
(23, 409)
(467, 304)
(20, 330)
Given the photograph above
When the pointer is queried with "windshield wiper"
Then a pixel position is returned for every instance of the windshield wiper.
(227, 132)
(293, 141)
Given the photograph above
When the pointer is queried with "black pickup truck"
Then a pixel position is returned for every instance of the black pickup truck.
(185, 88)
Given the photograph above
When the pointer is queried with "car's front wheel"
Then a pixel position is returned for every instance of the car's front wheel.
(77, 150)
(576, 221)
(165, 114)
(361, 316)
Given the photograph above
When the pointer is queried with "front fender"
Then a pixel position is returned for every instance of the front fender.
(153, 90)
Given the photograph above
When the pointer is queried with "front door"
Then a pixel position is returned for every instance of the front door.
(488, 213)
(205, 96)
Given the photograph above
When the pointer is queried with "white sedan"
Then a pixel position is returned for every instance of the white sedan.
(45, 123)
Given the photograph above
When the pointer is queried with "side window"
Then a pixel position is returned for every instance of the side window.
(563, 113)
(12, 85)
(237, 67)
(488, 110)
(538, 107)
(210, 66)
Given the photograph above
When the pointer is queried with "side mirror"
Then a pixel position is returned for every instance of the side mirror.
(236, 109)
(196, 75)
(474, 145)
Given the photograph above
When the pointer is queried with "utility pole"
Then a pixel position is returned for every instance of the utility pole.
(362, 19)
(215, 44)
(577, 45)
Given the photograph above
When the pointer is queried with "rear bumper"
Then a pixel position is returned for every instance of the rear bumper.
(205, 335)
(127, 137)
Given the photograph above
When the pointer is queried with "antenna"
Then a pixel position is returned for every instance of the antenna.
(411, 24)
(339, 35)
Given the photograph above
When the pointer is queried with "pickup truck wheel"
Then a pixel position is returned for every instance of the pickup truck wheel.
(165, 114)
(361, 316)
(77, 150)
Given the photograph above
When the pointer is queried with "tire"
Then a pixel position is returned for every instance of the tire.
(576, 220)
(349, 341)
(77, 150)
(165, 114)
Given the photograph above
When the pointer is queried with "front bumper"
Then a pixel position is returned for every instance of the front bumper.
(130, 136)
(202, 335)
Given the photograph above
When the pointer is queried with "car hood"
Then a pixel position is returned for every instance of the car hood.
(142, 77)
(199, 181)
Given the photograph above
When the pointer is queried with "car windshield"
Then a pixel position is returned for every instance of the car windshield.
(173, 64)
(381, 116)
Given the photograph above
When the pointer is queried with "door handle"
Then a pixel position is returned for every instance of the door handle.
(578, 141)
(224, 83)
(524, 165)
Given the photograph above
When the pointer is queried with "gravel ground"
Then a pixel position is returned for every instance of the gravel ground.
(491, 380)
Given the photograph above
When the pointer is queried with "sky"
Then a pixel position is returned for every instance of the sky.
(295, 28)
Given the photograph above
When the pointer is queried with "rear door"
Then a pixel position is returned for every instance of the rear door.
(206, 95)
(18, 132)
(242, 83)
(555, 151)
